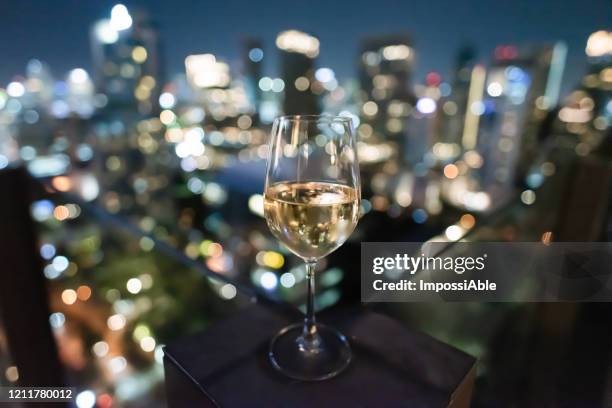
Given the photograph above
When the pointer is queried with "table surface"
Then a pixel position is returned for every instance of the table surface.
(392, 366)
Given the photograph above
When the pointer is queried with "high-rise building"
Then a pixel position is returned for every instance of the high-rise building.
(385, 70)
(40, 82)
(453, 110)
(252, 60)
(127, 62)
(298, 52)
(585, 118)
(521, 88)
(222, 98)
(474, 108)
(598, 80)
(131, 164)
(425, 121)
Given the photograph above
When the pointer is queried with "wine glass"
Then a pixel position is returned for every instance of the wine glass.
(311, 205)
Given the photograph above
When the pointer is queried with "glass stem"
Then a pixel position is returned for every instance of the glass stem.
(310, 340)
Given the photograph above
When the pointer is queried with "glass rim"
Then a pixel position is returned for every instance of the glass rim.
(314, 118)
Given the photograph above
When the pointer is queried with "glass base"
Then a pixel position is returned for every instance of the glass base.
(323, 358)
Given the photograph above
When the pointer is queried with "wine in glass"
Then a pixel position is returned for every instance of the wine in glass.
(311, 205)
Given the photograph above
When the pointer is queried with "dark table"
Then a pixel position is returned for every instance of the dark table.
(393, 366)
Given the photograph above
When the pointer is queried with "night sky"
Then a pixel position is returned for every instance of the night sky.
(56, 31)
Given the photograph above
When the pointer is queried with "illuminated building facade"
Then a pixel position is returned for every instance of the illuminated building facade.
(385, 70)
(298, 52)
(585, 118)
(520, 90)
(598, 81)
(454, 106)
(222, 98)
(127, 61)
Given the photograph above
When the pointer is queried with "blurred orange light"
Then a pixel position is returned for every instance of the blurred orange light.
(547, 237)
(451, 171)
(380, 203)
(12, 374)
(61, 213)
(61, 183)
(467, 221)
(167, 117)
(83, 292)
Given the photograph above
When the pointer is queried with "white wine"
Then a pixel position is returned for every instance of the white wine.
(312, 219)
(312, 215)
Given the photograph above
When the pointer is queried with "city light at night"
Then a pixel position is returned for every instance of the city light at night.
(144, 212)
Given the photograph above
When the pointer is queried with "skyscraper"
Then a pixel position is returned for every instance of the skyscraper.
(127, 63)
(585, 118)
(454, 108)
(298, 52)
(520, 90)
(598, 81)
(252, 60)
(385, 69)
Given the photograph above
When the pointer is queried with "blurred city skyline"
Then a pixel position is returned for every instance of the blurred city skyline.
(142, 142)
(44, 30)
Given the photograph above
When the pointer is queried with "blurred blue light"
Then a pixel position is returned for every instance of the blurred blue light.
(60, 263)
(268, 280)
(535, 180)
(324, 74)
(42, 210)
(60, 88)
(31, 116)
(57, 320)
(34, 66)
(13, 106)
(514, 73)
(366, 205)
(50, 272)
(419, 216)
(256, 54)
(47, 251)
(117, 127)
(195, 185)
(59, 109)
(84, 152)
(445, 89)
